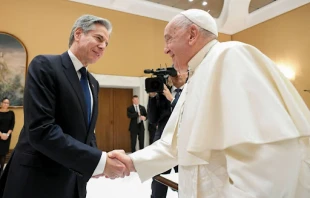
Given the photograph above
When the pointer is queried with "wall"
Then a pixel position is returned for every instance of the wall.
(44, 26)
(286, 40)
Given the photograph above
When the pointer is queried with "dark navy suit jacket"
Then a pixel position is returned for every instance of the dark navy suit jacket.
(56, 152)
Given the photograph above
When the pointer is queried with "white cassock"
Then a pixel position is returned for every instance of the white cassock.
(239, 130)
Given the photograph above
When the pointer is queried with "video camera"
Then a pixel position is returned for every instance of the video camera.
(156, 84)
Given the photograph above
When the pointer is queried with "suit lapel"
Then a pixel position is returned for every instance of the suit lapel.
(71, 74)
(92, 84)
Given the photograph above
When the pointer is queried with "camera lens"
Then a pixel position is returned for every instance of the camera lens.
(155, 85)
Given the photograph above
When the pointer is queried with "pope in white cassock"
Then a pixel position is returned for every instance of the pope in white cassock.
(240, 129)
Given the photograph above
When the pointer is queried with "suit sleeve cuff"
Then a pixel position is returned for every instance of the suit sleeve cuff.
(101, 165)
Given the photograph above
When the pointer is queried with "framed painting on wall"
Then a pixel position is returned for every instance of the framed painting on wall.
(13, 60)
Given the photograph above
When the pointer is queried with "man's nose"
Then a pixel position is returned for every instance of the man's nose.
(102, 45)
(166, 50)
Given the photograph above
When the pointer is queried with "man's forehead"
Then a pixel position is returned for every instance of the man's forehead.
(169, 29)
(101, 31)
(166, 30)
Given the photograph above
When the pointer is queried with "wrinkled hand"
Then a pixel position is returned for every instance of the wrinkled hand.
(125, 159)
(167, 93)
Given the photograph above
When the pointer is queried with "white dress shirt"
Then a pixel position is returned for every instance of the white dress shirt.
(173, 88)
(138, 111)
(78, 65)
(173, 92)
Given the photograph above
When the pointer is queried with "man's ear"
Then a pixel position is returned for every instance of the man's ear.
(194, 32)
(77, 34)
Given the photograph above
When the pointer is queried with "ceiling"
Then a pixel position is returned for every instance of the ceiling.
(257, 4)
(214, 7)
(231, 16)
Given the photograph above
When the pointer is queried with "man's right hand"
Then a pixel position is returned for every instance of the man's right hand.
(125, 159)
(167, 93)
(114, 168)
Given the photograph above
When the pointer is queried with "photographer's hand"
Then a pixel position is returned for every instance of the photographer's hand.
(167, 93)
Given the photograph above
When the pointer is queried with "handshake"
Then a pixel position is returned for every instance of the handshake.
(118, 164)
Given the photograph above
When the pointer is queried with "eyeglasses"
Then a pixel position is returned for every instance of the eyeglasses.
(5, 102)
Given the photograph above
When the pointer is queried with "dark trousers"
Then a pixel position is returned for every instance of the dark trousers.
(133, 137)
(152, 130)
(2, 162)
(157, 135)
(159, 190)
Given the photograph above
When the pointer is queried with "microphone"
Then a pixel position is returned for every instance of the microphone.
(172, 72)
(148, 71)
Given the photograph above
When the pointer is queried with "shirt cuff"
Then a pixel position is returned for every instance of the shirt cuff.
(101, 165)
(172, 101)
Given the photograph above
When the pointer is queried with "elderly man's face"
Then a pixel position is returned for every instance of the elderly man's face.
(176, 45)
(91, 46)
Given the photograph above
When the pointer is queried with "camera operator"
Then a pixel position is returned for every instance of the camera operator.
(160, 107)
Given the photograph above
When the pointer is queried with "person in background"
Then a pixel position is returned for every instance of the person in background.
(160, 107)
(137, 115)
(7, 122)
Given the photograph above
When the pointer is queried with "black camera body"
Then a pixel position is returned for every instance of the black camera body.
(156, 84)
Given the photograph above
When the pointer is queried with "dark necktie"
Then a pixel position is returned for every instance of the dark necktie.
(177, 95)
(85, 88)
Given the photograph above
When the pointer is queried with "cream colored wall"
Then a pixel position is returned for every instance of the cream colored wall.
(224, 37)
(44, 27)
(286, 40)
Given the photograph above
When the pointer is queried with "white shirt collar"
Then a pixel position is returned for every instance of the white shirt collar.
(197, 59)
(76, 62)
(173, 88)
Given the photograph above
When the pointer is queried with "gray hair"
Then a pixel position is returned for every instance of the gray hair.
(86, 23)
(183, 22)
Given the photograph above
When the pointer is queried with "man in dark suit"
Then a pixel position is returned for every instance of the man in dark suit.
(56, 152)
(160, 107)
(152, 129)
(137, 114)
